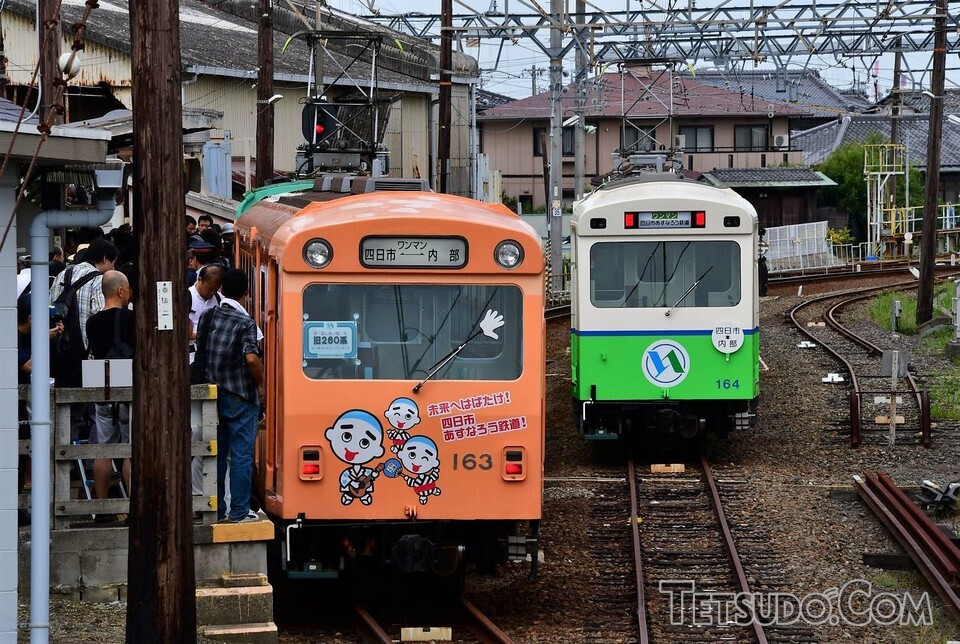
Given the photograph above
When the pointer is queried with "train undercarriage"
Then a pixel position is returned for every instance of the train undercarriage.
(610, 420)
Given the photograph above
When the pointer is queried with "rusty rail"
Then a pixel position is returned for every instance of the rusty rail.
(730, 545)
(373, 631)
(642, 626)
(922, 398)
(931, 551)
(486, 630)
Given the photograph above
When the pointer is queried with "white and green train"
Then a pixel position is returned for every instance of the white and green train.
(664, 310)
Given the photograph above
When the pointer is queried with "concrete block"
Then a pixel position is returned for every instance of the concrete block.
(8, 495)
(211, 561)
(262, 633)
(84, 539)
(248, 558)
(100, 594)
(65, 593)
(8, 609)
(237, 581)
(103, 567)
(234, 605)
(8, 447)
(65, 569)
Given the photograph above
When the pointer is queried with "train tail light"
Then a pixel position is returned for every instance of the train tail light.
(514, 463)
(699, 219)
(311, 465)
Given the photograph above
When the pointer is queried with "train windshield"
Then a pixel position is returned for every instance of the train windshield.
(648, 274)
(400, 332)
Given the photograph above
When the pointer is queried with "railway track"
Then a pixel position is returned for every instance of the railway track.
(869, 398)
(466, 623)
(683, 542)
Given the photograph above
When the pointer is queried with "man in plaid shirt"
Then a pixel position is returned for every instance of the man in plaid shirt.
(227, 344)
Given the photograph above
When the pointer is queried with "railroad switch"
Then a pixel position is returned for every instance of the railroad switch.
(939, 499)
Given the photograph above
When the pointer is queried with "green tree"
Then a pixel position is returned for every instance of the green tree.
(845, 167)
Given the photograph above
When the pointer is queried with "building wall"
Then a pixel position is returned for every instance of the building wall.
(406, 136)
(510, 146)
(8, 420)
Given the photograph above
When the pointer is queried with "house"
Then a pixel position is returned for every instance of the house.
(820, 142)
(782, 196)
(219, 72)
(803, 89)
(639, 110)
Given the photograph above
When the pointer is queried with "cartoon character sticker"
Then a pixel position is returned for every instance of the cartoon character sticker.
(402, 414)
(356, 439)
(420, 458)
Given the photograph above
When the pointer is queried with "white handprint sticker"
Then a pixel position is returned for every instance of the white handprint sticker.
(490, 323)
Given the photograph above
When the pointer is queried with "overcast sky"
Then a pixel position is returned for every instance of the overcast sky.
(512, 75)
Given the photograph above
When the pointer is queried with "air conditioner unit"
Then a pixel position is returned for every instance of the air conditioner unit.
(679, 141)
(781, 141)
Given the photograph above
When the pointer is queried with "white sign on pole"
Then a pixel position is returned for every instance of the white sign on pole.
(164, 306)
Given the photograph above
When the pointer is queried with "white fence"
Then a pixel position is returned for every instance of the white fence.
(803, 247)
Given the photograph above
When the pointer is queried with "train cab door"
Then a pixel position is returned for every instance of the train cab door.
(266, 437)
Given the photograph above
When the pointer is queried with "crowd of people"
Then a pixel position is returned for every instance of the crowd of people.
(91, 317)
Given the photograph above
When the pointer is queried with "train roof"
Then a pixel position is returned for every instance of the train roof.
(657, 186)
(277, 219)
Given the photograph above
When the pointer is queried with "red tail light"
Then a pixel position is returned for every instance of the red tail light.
(699, 220)
(311, 463)
(311, 469)
(513, 469)
(514, 463)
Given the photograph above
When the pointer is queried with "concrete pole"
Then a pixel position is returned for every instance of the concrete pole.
(446, 98)
(928, 243)
(554, 200)
(579, 138)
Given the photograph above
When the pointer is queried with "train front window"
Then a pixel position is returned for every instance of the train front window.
(400, 332)
(649, 274)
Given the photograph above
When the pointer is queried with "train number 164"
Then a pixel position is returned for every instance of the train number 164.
(472, 461)
(728, 384)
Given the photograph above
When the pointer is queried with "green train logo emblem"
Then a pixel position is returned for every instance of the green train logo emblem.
(665, 363)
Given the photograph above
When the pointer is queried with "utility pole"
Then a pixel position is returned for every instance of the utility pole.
(554, 200)
(161, 600)
(579, 138)
(533, 79)
(49, 57)
(318, 52)
(895, 97)
(928, 241)
(264, 92)
(446, 65)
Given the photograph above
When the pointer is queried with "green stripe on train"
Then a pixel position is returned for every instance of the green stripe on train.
(688, 368)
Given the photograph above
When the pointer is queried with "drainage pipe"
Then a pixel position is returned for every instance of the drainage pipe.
(40, 425)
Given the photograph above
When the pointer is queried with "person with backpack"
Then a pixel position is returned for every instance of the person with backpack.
(76, 295)
(113, 336)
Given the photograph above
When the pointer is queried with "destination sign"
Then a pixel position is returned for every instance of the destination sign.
(413, 252)
(664, 219)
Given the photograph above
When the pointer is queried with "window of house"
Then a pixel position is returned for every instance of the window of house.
(639, 138)
(541, 137)
(699, 138)
(748, 138)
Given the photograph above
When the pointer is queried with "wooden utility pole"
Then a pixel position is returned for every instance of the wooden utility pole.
(49, 57)
(928, 240)
(446, 65)
(161, 600)
(264, 92)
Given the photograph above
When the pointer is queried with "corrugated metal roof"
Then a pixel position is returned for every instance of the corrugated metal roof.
(804, 90)
(799, 177)
(211, 38)
(820, 142)
(648, 97)
(10, 111)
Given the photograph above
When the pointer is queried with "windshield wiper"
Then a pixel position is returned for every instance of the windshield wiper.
(689, 290)
(488, 326)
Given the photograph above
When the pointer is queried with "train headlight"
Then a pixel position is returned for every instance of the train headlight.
(508, 254)
(318, 253)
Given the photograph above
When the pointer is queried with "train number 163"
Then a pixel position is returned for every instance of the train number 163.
(728, 384)
(472, 461)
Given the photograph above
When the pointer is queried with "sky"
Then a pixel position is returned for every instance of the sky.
(512, 76)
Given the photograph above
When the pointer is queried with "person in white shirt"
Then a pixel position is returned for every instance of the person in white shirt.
(203, 297)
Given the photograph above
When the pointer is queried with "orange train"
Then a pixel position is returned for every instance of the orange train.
(404, 357)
